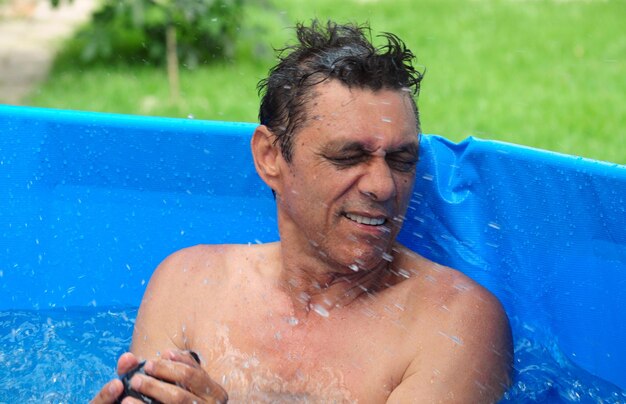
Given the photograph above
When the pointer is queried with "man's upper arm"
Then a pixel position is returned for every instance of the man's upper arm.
(469, 360)
(160, 320)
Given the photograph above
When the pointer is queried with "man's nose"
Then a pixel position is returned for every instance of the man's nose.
(377, 182)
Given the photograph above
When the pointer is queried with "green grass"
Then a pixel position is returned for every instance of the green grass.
(544, 73)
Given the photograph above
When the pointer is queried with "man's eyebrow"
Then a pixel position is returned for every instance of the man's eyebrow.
(339, 146)
(411, 148)
(356, 146)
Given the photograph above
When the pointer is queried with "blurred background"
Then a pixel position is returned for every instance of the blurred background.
(544, 73)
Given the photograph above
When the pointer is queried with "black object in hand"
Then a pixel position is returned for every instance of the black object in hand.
(129, 392)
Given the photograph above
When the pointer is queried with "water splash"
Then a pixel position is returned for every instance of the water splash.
(43, 355)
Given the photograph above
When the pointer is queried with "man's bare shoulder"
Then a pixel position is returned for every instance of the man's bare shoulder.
(194, 279)
(442, 285)
(209, 263)
(464, 327)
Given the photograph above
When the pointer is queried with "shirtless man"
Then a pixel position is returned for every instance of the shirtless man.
(337, 311)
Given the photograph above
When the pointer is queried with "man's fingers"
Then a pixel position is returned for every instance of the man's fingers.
(185, 357)
(109, 393)
(162, 391)
(126, 362)
(132, 400)
(188, 376)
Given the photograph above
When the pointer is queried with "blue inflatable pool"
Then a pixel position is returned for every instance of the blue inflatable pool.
(90, 203)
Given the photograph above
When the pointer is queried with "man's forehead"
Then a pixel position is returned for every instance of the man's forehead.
(338, 114)
(333, 101)
(381, 96)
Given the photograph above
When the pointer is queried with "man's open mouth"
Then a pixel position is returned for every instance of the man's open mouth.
(370, 221)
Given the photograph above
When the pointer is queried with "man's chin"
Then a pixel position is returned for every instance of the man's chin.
(370, 258)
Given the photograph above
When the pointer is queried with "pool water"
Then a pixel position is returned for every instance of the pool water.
(65, 356)
(57, 356)
(543, 374)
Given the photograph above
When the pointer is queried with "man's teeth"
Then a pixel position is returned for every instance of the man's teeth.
(372, 221)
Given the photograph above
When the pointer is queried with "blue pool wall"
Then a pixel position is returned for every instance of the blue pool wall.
(90, 203)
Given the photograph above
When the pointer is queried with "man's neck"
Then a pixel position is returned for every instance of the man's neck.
(315, 286)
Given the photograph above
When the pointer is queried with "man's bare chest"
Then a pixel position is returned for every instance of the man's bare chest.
(258, 357)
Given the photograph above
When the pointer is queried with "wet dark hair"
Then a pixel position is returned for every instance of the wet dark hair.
(337, 52)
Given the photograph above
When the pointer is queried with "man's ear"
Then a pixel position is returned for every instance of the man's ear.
(267, 157)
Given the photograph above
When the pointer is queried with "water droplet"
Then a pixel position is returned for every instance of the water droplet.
(404, 273)
(461, 287)
(454, 338)
(320, 310)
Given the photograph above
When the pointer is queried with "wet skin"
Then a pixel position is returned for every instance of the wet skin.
(337, 310)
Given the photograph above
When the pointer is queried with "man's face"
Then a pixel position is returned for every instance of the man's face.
(351, 176)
